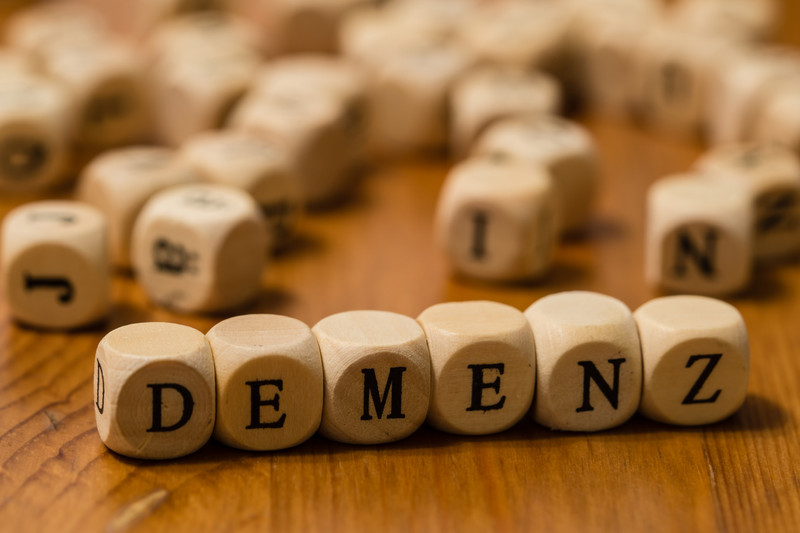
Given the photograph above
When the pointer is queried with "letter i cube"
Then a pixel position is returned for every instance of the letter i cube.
(377, 376)
(699, 235)
(588, 361)
(55, 264)
(482, 366)
(269, 381)
(695, 357)
(154, 390)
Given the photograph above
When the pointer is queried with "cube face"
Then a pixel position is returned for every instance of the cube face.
(771, 174)
(563, 147)
(497, 220)
(777, 119)
(377, 376)
(695, 357)
(588, 361)
(119, 182)
(56, 265)
(200, 248)
(254, 164)
(154, 390)
(482, 366)
(269, 382)
(699, 235)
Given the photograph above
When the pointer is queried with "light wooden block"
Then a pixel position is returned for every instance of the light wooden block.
(154, 395)
(770, 173)
(34, 130)
(49, 24)
(377, 376)
(200, 248)
(269, 382)
(104, 78)
(588, 361)
(318, 133)
(55, 265)
(119, 182)
(496, 219)
(674, 72)
(564, 148)
(528, 35)
(489, 94)
(203, 64)
(482, 366)
(698, 235)
(255, 165)
(138, 19)
(696, 359)
(778, 118)
(742, 20)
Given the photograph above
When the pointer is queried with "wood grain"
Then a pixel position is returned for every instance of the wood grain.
(377, 252)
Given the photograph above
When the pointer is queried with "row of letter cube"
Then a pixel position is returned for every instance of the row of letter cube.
(576, 361)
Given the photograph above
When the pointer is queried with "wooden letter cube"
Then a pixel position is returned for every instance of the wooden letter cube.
(269, 381)
(696, 359)
(200, 248)
(588, 361)
(565, 148)
(778, 118)
(496, 219)
(154, 390)
(699, 235)
(377, 376)
(253, 164)
(119, 182)
(771, 175)
(482, 366)
(55, 265)
(34, 128)
(483, 96)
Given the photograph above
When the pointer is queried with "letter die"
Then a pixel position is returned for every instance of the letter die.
(588, 361)
(32, 29)
(34, 130)
(486, 95)
(200, 248)
(377, 376)
(55, 264)
(565, 148)
(154, 390)
(253, 164)
(778, 118)
(698, 235)
(119, 182)
(770, 173)
(741, 20)
(482, 366)
(269, 382)
(696, 359)
(496, 219)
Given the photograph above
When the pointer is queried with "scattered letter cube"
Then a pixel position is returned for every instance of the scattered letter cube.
(55, 264)
(154, 390)
(269, 381)
(588, 361)
(482, 366)
(695, 357)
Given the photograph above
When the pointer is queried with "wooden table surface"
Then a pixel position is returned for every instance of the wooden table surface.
(376, 252)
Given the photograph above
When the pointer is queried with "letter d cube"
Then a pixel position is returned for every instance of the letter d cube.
(154, 390)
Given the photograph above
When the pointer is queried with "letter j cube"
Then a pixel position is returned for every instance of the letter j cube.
(154, 395)
(377, 376)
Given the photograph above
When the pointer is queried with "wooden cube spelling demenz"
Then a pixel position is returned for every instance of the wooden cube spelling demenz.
(496, 219)
(770, 174)
(200, 248)
(695, 357)
(377, 376)
(55, 264)
(154, 390)
(699, 235)
(119, 182)
(482, 366)
(269, 381)
(588, 361)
